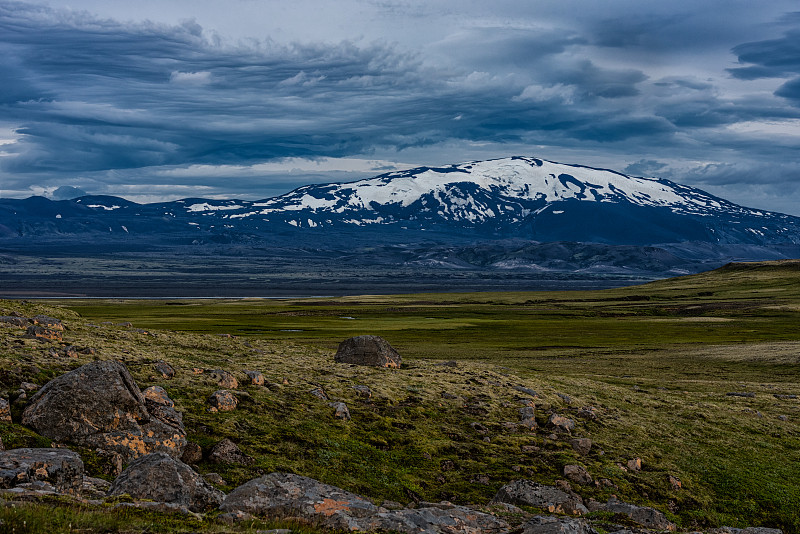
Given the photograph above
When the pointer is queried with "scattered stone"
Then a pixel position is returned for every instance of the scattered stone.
(227, 452)
(447, 465)
(14, 321)
(223, 401)
(165, 369)
(581, 445)
(99, 405)
(43, 334)
(675, 483)
(363, 391)
(527, 391)
(60, 468)
(448, 363)
(161, 406)
(5, 410)
(256, 377)
(648, 517)
(783, 417)
(214, 478)
(198, 370)
(479, 428)
(527, 418)
(634, 464)
(224, 379)
(529, 493)
(747, 394)
(47, 322)
(319, 393)
(543, 524)
(589, 412)
(446, 395)
(88, 351)
(566, 398)
(578, 474)
(2, 447)
(529, 449)
(561, 423)
(391, 505)
(71, 352)
(341, 411)
(192, 453)
(162, 478)
(373, 351)
(784, 397)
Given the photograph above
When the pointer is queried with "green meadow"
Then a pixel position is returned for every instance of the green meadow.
(652, 365)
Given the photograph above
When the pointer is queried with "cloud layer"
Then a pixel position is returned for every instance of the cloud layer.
(131, 108)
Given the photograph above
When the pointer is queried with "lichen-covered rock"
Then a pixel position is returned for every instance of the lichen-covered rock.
(60, 468)
(286, 495)
(648, 517)
(529, 493)
(100, 406)
(227, 452)
(340, 411)
(561, 424)
(5, 410)
(581, 445)
(162, 478)
(223, 401)
(557, 525)
(192, 453)
(224, 379)
(256, 377)
(164, 369)
(47, 322)
(448, 520)
(368, 350)
(527, 417)
(43, 334)
(161, 406)
(578, 474)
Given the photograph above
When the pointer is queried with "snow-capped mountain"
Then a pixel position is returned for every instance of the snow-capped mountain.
(520, 197)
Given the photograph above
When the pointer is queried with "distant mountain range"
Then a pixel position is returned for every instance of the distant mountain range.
(496, 214)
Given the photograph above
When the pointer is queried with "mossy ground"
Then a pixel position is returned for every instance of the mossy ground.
(654, 361)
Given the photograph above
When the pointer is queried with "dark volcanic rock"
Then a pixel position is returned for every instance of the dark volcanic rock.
(367, 350)
(60, 468)
(14, 321)
(529, 493)
(159, 477)
(100, 405)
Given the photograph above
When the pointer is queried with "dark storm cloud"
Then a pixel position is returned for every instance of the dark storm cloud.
(97, 101)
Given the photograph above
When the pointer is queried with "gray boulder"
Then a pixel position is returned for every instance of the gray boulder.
(648, 517)
(557, 525)
(60, 468)
(373, 351)
(529, 493)
(160, 477)
(100, 406)
(285, 495)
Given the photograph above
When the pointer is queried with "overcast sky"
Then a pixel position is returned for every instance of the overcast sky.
(168, 99)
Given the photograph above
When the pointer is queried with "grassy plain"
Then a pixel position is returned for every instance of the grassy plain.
(655, 362)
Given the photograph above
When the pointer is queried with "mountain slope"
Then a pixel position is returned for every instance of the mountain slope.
(516, 197)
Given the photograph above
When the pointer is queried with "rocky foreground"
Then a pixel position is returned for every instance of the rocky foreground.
(137, 440)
